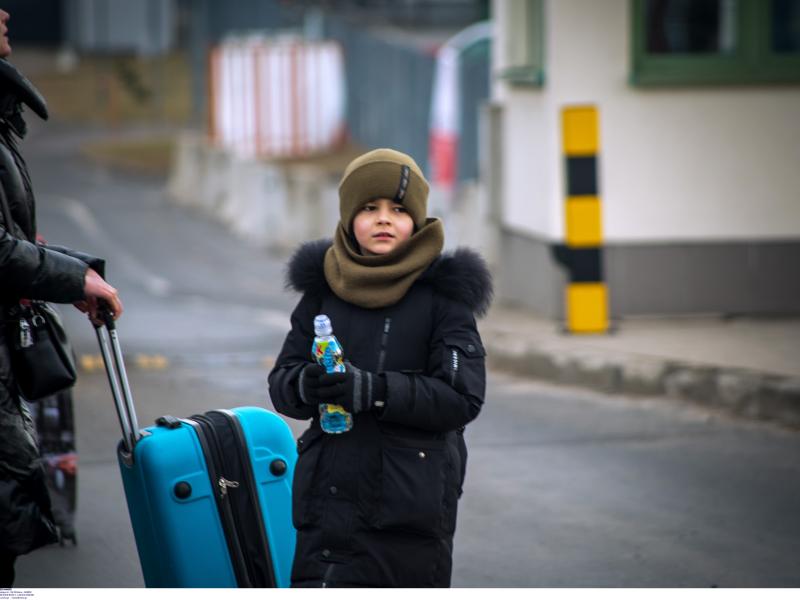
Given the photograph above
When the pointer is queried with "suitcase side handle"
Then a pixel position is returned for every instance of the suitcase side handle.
(118, 379)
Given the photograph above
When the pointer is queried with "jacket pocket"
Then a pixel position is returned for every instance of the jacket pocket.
(464, 364)
(414, 478)
(305, 511)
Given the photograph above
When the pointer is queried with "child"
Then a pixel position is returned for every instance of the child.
(376, 506)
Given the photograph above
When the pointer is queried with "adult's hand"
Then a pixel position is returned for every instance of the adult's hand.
(95, 289)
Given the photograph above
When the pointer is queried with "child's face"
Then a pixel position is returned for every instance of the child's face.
(382, 225)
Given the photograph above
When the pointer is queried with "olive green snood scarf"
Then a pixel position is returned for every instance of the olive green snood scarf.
(378, 281)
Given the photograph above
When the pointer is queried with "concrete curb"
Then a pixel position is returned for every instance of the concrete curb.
(742, 392)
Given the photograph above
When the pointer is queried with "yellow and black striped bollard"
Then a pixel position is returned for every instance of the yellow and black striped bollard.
(586, 297)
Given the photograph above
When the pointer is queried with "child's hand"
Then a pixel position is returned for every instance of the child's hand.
(354, 390)
(308, 384)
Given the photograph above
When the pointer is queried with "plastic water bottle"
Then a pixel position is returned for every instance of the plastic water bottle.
(327, 351)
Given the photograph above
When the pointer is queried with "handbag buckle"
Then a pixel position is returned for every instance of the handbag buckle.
(25, 335)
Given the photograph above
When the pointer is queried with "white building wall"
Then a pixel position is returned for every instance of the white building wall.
(530, 169)
(676, 164)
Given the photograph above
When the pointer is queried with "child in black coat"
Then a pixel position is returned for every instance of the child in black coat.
(376, 506)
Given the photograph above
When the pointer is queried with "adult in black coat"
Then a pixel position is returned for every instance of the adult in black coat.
(376, 506)
(28, 271)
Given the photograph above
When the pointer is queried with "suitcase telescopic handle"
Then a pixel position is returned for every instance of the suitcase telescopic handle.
(118, 379)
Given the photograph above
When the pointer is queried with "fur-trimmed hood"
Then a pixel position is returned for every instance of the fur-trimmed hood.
(461, 275)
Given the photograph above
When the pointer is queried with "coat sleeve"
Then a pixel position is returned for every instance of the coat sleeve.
(98, 264)
(294, 356)
(451, 393)
(28, 270)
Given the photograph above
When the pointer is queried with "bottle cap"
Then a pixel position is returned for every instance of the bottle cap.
(322, 325)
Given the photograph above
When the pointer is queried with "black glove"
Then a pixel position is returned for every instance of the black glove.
(308, 383)
(354, 390)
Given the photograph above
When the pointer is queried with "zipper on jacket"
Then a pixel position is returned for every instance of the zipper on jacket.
(454, 365)
(211, 450)
(387, 324)
(327, 576)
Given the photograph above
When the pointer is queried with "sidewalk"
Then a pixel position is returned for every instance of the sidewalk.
(747, 366)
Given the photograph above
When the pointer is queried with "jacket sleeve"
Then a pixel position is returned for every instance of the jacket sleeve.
(451, 394)
(294, 356)
(98, 264)
(31, 271)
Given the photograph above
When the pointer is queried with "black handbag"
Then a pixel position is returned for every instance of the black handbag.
(41, 357)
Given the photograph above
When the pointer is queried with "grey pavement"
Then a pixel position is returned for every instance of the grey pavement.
(744, 366)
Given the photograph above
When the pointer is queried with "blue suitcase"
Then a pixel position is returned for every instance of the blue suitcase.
(209, 497)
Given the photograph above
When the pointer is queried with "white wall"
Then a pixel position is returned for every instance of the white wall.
(676, 164)
(530, 168)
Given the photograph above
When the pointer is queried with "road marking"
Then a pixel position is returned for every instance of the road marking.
(90, 363)
(80, 214)
(155, 362)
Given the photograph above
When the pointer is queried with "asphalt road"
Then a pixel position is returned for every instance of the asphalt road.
(565, 488)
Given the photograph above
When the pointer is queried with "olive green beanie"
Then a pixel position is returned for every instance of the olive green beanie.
(383, 173)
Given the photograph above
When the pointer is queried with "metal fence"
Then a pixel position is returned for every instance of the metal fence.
(146, 28)
(475, 67)
(389, 80)
(388, 91)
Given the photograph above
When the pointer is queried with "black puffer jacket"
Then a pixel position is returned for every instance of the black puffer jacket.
(377, 506)
(27, 270)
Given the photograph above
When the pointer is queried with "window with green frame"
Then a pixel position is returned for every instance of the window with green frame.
(714, 42)
(524, 47)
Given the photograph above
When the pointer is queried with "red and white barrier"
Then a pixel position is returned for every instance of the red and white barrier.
(445, 120)
(277, 97)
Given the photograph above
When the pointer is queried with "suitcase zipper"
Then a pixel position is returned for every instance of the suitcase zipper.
(266, 570)
(224, 484)
(210, 444)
